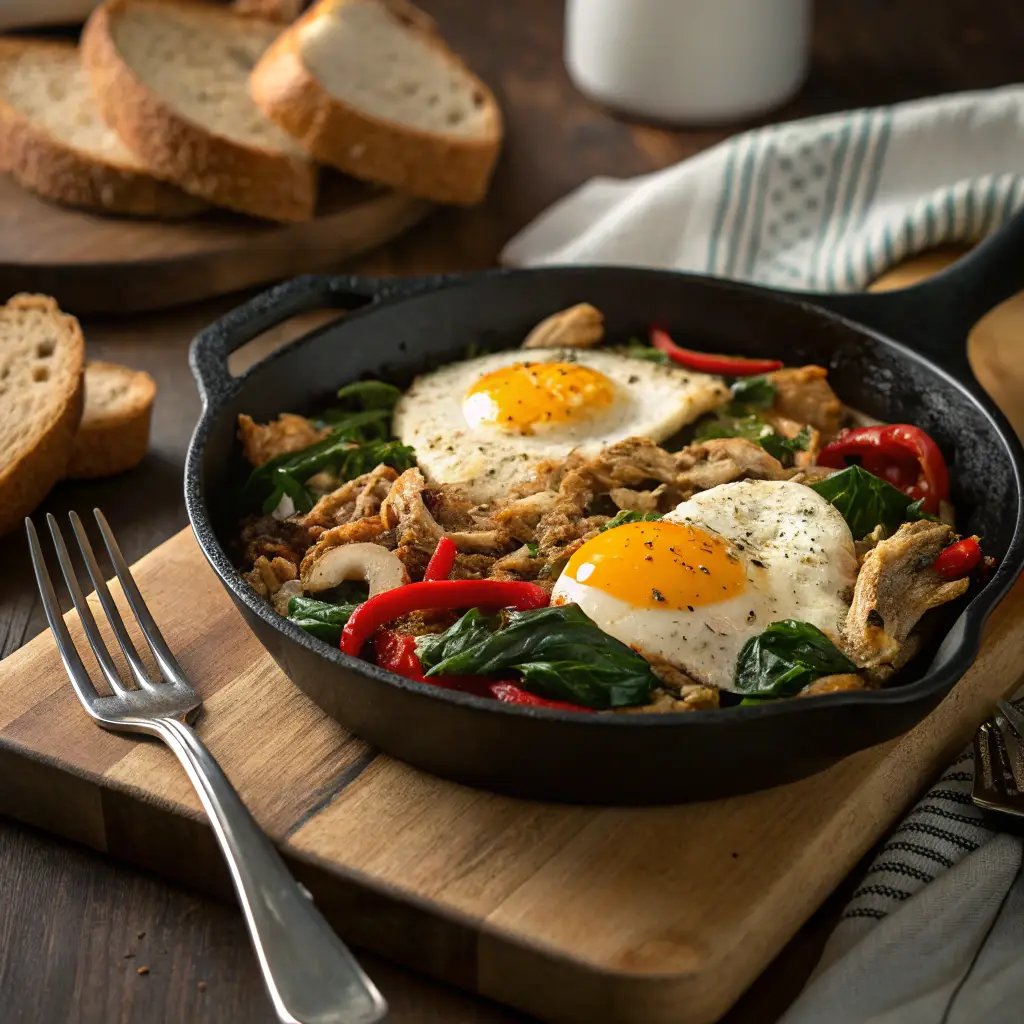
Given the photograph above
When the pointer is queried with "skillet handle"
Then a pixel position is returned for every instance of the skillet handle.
(935, 316)
(209, 351)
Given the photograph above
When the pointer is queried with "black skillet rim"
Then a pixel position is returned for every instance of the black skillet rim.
(967, 628)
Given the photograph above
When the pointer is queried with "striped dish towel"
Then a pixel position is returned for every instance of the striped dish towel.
(934, 933)
(825, 204)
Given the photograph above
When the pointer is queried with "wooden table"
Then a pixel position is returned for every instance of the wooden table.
(75, 929)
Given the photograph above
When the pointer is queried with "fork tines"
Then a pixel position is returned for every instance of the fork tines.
(125, 698)
(999, 762)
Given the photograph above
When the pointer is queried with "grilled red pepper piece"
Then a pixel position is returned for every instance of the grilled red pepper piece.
(436, 594)
(709, 362)
(442, 561)
(900, 453)
(397, 653)
(959, 559)
(509, 693)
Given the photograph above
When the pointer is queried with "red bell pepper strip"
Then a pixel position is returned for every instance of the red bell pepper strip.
(900, 453)
(436, 594)
(709, 362)
(442, 561)
(397, 653)
(509, 693)
(958, 559)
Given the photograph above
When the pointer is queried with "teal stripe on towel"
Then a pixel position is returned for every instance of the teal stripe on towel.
(988, 209)
(969, 211)
(929, 224)
(838, 162)
(723, 206)
(950, 231)
(754, 239)
(853, 181)
(741, 206)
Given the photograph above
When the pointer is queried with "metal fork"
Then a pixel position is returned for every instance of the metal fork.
(999, 762)
(310, 974)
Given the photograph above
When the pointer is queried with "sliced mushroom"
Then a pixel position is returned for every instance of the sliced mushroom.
(380, 568)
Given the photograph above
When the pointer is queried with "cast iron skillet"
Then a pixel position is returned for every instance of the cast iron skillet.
(400, 326)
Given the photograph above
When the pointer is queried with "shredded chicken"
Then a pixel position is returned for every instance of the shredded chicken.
(417, 531)
(695, 698)
(354, 500)
(580, 326)
(835, 684)
(724, 460)
(267, 537)
(636, 501)
(803, 394)
(262, 442)
(268, 574)
(896, 585)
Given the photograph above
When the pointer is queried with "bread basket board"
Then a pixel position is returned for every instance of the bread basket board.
(98, 264)
(570, 913)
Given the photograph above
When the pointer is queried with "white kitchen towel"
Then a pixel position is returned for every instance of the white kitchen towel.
(824, 204)
(934, 933)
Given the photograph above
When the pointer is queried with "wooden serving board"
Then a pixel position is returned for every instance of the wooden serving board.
(571, 913)
(97, 264)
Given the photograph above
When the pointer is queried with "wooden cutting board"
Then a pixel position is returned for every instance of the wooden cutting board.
(571, 913)
(96, 264)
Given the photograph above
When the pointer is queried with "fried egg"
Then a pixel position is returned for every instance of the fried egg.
(488, 423)
(693, 587)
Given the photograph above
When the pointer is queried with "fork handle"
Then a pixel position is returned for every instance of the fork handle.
(310, 973)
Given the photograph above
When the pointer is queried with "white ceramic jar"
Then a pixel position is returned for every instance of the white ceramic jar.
(688, 60)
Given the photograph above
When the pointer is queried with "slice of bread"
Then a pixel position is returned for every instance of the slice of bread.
(114, 433)
(53, 143)
(171, 78)
(368, 87)
(275, 10)
(42, 353)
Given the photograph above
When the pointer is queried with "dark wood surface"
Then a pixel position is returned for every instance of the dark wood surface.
(69, 919)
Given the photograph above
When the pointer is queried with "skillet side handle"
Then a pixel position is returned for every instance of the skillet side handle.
(935, 316)
(209, 351)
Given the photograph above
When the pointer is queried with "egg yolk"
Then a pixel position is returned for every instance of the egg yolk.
(659, 565)
(522, 397)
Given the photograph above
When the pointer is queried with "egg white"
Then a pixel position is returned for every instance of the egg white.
(650, 400)
(799, 560)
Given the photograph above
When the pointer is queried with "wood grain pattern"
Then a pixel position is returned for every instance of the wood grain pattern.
(97, 264)
(571, 913)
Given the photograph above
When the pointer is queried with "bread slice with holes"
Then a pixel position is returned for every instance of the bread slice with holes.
(113, 435)
(369, 87)
(171, 78)
(53, 143)
(42, 353)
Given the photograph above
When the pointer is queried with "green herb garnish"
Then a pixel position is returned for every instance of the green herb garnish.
(752, 428)
(321, 618)
(627, 516)
(784, 658)
(867, 501)
(560, 653)
(751, 393)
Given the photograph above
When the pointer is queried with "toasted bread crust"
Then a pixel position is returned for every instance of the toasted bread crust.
(261, 182)
(283, 11)
(446, 169)
(25, 482)
(111, 441)
(48, 167)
